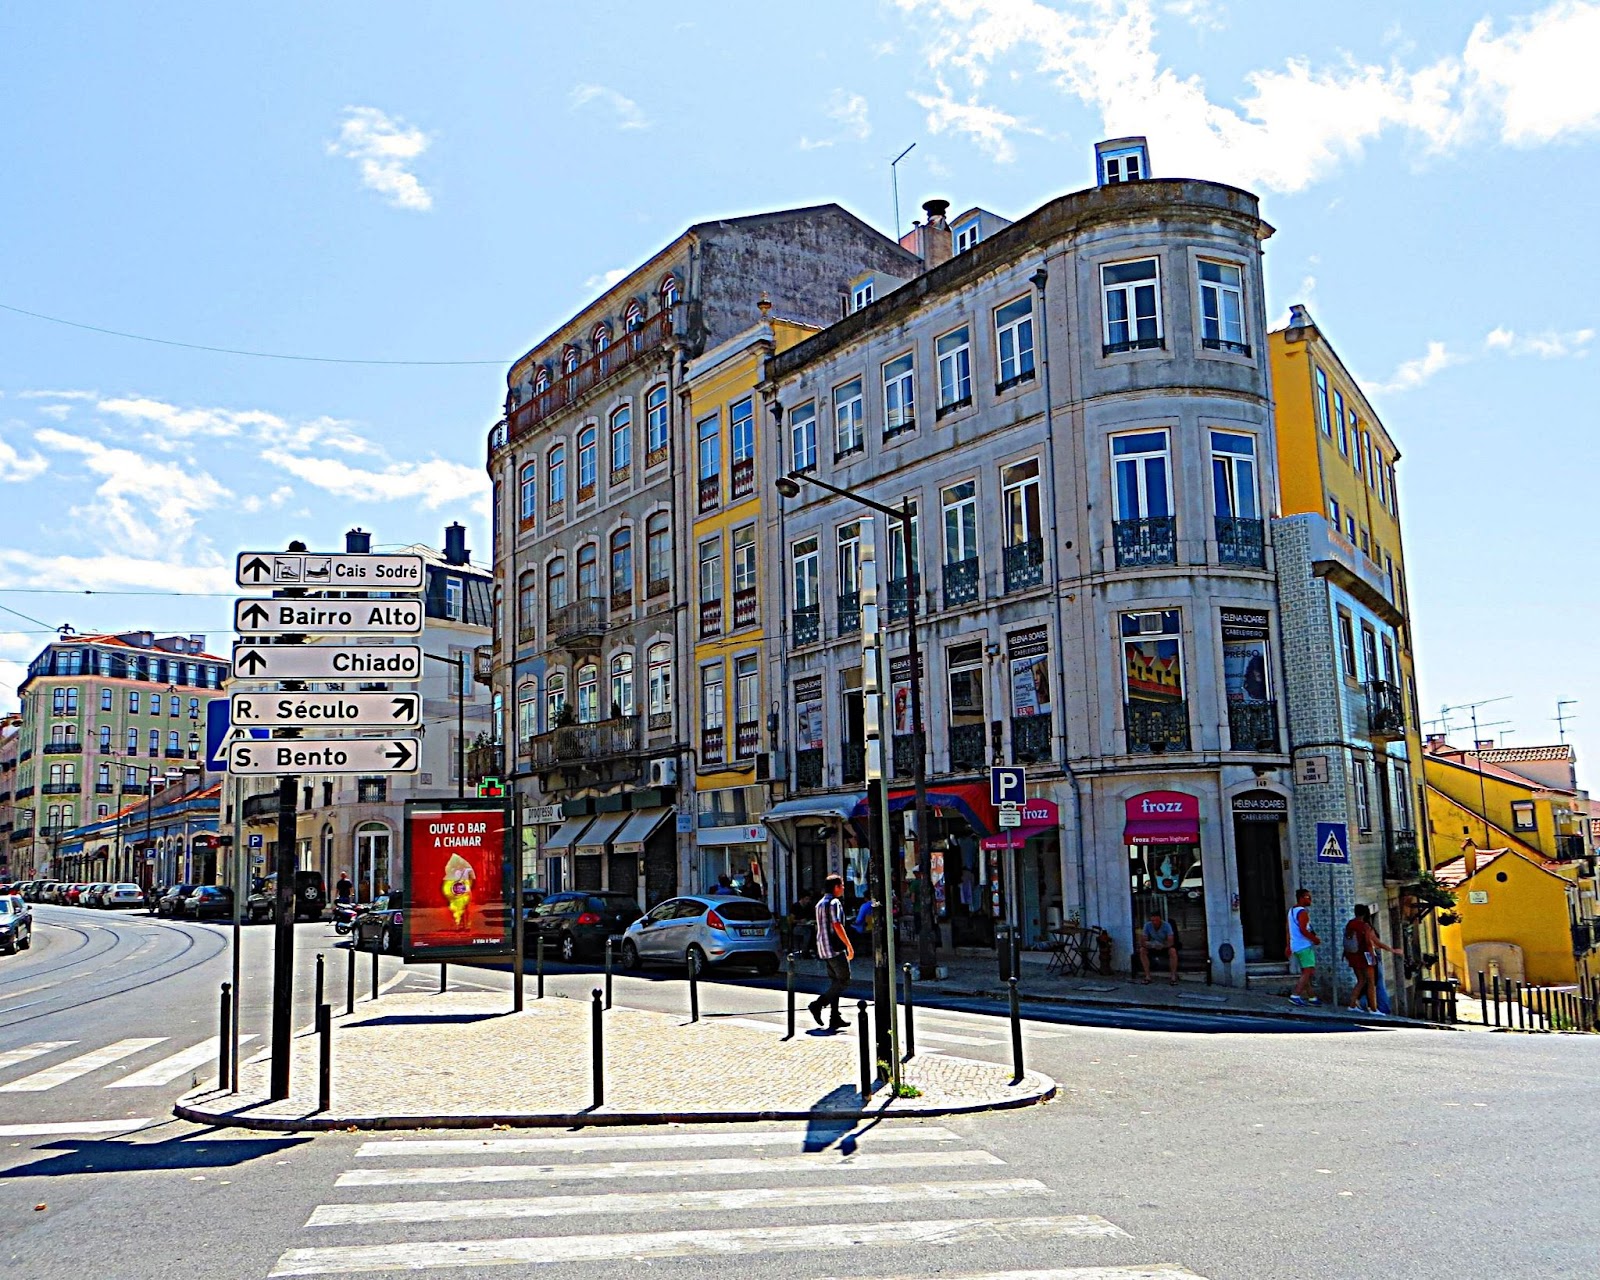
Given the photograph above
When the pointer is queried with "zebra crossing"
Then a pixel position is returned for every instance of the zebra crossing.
(606, 1198)
(195, 1059)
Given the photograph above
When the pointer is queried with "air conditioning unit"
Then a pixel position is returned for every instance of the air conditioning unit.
(1151, 624)
(664, 773)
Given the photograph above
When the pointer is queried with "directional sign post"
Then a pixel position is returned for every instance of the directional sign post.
(284, 756)
(327, 617)
(327, 662)
(329, 572)
(326, 710)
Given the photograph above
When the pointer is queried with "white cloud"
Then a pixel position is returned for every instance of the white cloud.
(256, 502)
(849, 112)
(1294, 125)
(58, 395)
(384, 147)
(1205, 14)
(112, 572)
(989, 127)
(1548, 345)
(1411, 374)
(433, 483)
(628, 112)
(14, 467)
(178, 425)
(605, 279)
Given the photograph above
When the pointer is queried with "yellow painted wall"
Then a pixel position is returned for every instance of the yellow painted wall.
(1451, 824)
(1460, 784)
(1528, 907)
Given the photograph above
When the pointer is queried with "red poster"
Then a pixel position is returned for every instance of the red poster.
(455, 898)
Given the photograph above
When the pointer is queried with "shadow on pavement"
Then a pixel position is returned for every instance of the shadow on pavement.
(822, 1134)
(107, 1156)
(410, 1019)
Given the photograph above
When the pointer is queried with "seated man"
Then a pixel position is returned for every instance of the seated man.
(1157, 936)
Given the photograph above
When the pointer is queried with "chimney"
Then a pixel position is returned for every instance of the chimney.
(935, 237)
(357, 542)
(1469, 857)
(1435, 742)
(455, 544)
(1485, 744)
(1300, 318)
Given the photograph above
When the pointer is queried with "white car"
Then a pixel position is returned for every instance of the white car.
(122, 895)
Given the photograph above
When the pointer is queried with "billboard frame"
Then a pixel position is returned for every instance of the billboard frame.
(436, 954)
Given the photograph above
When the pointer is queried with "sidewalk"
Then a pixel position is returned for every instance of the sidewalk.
(461, 1060)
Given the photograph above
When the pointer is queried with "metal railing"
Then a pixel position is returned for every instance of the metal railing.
(580, 624)
(1241, 541)
(485, 761)
(1157, 726)
(72, 748)
(1386, 717)
(1030, 738)
(968, 749)
(960, 582)
(905, 754)
(573, 743)
(568, 387)
(1024, 564)
(1253, 726)
(1150, 541)
(808, 768)
(805, 624)
(853, 763)
(256, 807)
(1402, 855)
(901, 591)
(849, 612)
(745, 607)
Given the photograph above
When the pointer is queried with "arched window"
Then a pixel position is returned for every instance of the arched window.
(622, 568)
(657, 554)
(555, 585)
(105, 737)
(655, 423)
(569, 360)
(588, 693)
(622, 686)
(658, 673)
(133, 742)
(555, 489)
(588, 464)
(527, 712)
(601, 336)
(669, 291)
(102, 780)
(372, 859)
(588, 571)
(555, 698)
(541, 380)
(527, 604)
(527, 490)
(633, 317)
(621, 443)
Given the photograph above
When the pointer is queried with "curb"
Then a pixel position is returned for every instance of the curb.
(1044, 1090)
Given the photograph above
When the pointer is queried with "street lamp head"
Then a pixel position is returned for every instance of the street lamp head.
(1039, 279)
(786, 486)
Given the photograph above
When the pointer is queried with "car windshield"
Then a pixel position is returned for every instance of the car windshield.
(616, 903)
(742, 909)
(6, 909)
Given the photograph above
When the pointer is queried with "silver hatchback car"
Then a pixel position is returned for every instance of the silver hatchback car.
(717, 929)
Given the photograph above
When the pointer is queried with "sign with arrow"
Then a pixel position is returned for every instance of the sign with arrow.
(327, 617)
(329, 572)
(326, 710)
(254, 759)
(369, 662)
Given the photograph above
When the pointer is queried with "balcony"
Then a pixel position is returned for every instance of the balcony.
(59, 789)
(713, 744)
(486, 760)
(902, 594)
(103, 788)
(905, 755)
(743, 477)
(261, 808)
(372, 790)
(711, 618)
(593, 372)
(1253, 726)
(25, 756)
(72, 748)
(960, 582)
(745, 607)
(173, 753)
(580, 626)
(21, 834)
(710, 492)
(52, 829)
(1151, 541)
(853, 763)
(1241, 541)
(1402, 857)
(134, 789)
(1024, 565)
(808, 768)
(806, 624)
(1386, 717)
(24, 793)
(1157, 726)
(1223, 344)
(1030, 738)
(967, 747)
(585, 743)
(1583, 937)
(1134, 344)
(746, 738)
(849, 613)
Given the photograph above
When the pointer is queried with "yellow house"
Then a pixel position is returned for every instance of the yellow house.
(731, 454)
(1517, 919)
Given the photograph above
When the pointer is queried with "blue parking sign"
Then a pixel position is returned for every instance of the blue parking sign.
(1007, 785)
(1333, 842)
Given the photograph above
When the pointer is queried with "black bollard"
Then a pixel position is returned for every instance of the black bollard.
(1497, 999)
(1483, 997)
(694, 991)
(1016, 1031)
(864, 1039)
(224, 1036)
(444, 979)
(788, 983)
(597, 1032)
(911, 1029)
(538, 965)
(324, 1057)
(1518, 1010)
(374, 971)
(317, 1002)
(608, 973)
(350, 981)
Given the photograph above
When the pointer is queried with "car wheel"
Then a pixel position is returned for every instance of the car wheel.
(27, 943)
(386, 942)
(569, 948)
(630, 954)
(696, 960)
(11, 949)
(766, 966)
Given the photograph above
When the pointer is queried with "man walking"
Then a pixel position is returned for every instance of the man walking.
(1303, 943)
(834, 949)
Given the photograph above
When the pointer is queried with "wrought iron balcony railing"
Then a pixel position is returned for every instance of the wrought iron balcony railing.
(1253, 726)
(901, 593)
(746, 738)
(853, 758)
(746, 607)
(967, 747)
(1402, 856)
(808, 768)
(580, 625)
(806, 624)
(905, 755)
(1024, 564)
(1386, 717)
(711, 617)
(1241, 541)
(585, 743)
(486, 760)
(1150, 541)
(1030, 738)
(59, 789)
(960, 582)
(849, 612)
(1157, 726)
(70, 748)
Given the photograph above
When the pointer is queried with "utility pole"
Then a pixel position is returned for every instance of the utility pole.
(879, 727)
(285, 864)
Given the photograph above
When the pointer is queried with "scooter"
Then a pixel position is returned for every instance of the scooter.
(344, 917)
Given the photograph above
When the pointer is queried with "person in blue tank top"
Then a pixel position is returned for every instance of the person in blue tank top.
(1302, 949)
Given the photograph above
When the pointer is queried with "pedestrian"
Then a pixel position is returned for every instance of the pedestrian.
(724, 886)
(343, 891)
(833, 947)
(1302, 949)
(1158, 936)
(1361, 948)
(753, 888)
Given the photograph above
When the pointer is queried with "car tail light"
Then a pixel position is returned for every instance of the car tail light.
(589, 917)
(714, 920)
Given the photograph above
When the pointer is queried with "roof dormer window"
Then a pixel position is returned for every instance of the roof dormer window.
(1120, 160)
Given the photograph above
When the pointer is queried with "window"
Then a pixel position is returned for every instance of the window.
(1140, 465)
(527, 491)
(453, 595)
(555, 585)
(1394, 493)
(742, 446)
(1369, 652)
(848, 435)
(901, 564)
(1233, 475)
(1523, 817)
(105, 699)
(1363, 796)
(744, 561)
(174, 705)
(527, 711)
(954, 350)
(657, 553)
(622, 686)
(1321, 399)
(588, 571)
(1019, 485)
(133, 701)
(1222, 307)
(555, 698)
(1366, 458)
(1378, 470)
(622, 567)
(712, 707)
(1013, 341)
(588, 693)
(1347, 646)
(711, 571)
(541, 381)
(569, 359)
(861, 295)
(1333, 512)
(556, 478)
(600, 337)
(658, 674)
(708, 455)
(1122, 166)
(621, 442)
(807, 586)
(1350, 526)
(967, 236)
(527, 595)
(633, 317)
(960, 503)
(155, 742)
(1346, 423)
(105, 737)
(1131, 295)
(1152, 656)
(172, 743)
(1388, 658)
(899, 395)
(588, 464)
(194, 708)
(1402, 798)
(848, 561)
(655, 425)
(669, 292)
(803, 437)
(746, 705)
(132, 745)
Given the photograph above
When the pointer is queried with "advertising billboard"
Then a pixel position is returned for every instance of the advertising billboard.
(458, 886)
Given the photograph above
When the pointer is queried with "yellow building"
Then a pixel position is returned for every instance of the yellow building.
(1517, 919)
(730, 449)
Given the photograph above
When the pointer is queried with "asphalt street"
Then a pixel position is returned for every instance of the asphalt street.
(1181, 1144)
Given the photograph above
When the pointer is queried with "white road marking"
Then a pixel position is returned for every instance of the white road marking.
(738, 1200)
(69, 1126)
(719, 1241)
(1159, 1271)
(178, 1065)
(637, 1142)
(82, 1065)
(28, 991)
(820, 1161)
(11, 1057)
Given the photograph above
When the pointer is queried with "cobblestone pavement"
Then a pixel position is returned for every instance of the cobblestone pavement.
(463, 1055)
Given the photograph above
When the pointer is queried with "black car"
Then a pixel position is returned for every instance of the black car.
(310, 897)
(576, 925)
(209, 901)
(381, 924)
(170, 903)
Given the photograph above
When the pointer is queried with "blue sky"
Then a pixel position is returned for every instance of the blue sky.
(447, 183)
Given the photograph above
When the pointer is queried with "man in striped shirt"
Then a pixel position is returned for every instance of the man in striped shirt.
(833, 947)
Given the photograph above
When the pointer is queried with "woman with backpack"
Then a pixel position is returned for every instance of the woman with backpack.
(1361, 948)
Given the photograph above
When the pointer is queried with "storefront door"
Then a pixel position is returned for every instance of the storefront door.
(1167, 878)
(1262, 910)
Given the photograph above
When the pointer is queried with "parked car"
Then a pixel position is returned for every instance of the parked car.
(310, 897)
(95, 895)
(16, 925)
(577, 924)
(381, 924)
(209, 901)
(122, 895)
(702, 932)
(170, 903)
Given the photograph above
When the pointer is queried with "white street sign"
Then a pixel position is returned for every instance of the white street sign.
(327, 617)
(1309, 770)
(1010, 816)
(328, 572)
(326, 710)
(256, 759)
(367, 662)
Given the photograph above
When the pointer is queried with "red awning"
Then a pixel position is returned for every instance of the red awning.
(1162, 817)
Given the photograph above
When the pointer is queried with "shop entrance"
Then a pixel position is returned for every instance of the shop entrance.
(1262, 909)
(1168, 878)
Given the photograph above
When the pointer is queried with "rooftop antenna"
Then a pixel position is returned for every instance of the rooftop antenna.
(1562, 717)
(1483, 797)
(894, 179)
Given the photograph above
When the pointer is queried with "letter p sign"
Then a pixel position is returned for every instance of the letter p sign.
(1007, 785)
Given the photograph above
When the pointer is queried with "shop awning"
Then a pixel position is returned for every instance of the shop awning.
(565, 835)
(639, 827)
(782, 817)
(1162, 817)
(969, 799)
(594, 840)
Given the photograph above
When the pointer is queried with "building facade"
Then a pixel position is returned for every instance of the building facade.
(10, 734)
(1076, 408)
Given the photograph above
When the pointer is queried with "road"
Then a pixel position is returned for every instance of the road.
(1182, 1144)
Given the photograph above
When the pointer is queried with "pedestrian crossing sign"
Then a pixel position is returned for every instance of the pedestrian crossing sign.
(1333, 842)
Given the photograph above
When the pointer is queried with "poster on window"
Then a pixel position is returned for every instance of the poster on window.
(458, 883)
(1029, 655)
(808, 714)
(1244, 655)
(1154, 669)
(900, 693)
